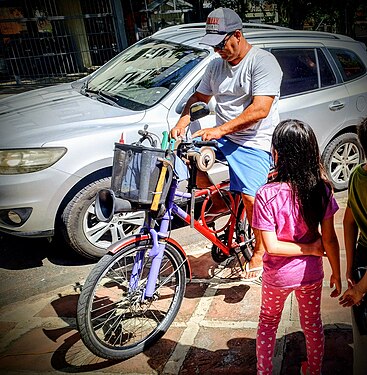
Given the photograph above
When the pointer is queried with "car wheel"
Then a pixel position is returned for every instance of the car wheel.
(85, 233)
(340, 157)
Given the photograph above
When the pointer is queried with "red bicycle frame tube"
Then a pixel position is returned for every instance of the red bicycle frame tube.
(206, 232)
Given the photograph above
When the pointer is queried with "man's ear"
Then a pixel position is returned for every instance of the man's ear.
(238, 34)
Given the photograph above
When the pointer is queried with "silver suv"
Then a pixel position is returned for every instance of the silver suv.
(56, 143)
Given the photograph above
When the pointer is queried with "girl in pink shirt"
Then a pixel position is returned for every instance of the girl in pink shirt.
(288, 212)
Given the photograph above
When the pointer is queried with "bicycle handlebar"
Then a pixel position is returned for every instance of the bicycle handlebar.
(194, 143)
(205, 143)
(146, 135)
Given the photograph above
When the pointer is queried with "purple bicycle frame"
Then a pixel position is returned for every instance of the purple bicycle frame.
(159, 243)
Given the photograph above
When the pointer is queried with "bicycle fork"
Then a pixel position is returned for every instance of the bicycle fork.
(156, 253)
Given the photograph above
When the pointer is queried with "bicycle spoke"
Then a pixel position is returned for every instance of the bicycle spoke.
(116, 320)
(165, 281)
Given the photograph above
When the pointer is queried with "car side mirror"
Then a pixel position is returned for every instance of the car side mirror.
(198, 110)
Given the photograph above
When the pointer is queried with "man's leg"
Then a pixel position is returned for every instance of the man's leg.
(248, 170)
(256, 260)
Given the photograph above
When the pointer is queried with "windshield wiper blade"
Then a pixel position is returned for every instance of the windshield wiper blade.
(107, 98)
(86, 91)
(107, 95)
(104, 97)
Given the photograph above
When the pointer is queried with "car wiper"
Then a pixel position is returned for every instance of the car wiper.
(84, 88)
(107, 95)
(104, 97)
(107, 98)
(85, 91)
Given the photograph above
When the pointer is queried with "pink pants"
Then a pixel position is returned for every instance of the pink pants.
(273, 299)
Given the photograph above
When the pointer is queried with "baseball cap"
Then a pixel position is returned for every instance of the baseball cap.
(219, 23)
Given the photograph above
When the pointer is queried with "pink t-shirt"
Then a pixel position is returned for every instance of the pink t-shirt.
(274, 211)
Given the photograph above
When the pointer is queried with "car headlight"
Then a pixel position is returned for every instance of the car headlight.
(18, 161)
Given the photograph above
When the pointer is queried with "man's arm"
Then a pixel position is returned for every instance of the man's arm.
(183, 122)
(257, 110)
(350, 240)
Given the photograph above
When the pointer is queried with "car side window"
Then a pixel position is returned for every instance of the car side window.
(327, 75)
(180, 106)
(349, 64)
(301, 69)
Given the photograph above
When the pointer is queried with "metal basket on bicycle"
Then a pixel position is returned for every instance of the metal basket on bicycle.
(135, 174)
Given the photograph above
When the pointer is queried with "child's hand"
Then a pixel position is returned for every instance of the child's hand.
(335, 282)
(318, 248)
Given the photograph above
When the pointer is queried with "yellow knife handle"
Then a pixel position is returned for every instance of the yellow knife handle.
(159, 188)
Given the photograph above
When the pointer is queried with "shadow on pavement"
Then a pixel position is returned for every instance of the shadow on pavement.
(21, 253)
(237, 356)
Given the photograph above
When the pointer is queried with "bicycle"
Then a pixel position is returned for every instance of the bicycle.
(135, 291)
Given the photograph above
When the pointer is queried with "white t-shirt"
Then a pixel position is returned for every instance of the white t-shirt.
(233, 87)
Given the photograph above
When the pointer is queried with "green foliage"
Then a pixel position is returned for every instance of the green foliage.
(332, 15)
(341, 14)
(239, 6)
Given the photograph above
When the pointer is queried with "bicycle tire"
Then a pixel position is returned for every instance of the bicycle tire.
(113, 322)
(244, 233)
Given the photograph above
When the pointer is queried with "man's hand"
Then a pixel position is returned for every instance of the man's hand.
(209, 134)
(178, 132)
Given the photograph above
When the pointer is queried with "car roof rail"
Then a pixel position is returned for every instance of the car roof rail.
(258, 31)
(201, 26)
(306, 34)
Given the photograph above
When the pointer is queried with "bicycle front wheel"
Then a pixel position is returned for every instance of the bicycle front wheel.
(116, 321)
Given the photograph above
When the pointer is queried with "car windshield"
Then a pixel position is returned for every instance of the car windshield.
(143, 74)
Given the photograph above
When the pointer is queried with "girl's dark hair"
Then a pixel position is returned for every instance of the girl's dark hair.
(299, 164)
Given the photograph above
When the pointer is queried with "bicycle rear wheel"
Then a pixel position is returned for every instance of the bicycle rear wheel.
(117, 323)
(244, 233)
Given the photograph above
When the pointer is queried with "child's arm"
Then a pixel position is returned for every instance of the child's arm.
(331, 246)
(289, 249)
(350, 241)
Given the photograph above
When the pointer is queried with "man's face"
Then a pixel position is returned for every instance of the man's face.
(229, 49)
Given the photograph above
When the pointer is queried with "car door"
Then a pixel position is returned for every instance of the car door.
(353, 71)
(190, 85)
(312, 90)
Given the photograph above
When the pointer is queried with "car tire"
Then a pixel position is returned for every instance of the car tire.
(85, 233)
(340, 157)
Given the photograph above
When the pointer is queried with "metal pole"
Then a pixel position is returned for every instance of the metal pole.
(119, 24)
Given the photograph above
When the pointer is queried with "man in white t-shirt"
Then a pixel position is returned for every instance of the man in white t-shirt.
(245, 82)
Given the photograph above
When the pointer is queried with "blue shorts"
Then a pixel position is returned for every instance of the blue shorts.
(248, 167)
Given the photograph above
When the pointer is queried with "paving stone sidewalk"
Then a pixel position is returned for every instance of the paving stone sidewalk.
(214, 332)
